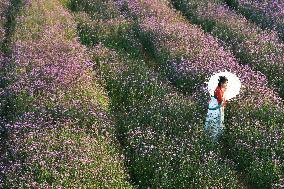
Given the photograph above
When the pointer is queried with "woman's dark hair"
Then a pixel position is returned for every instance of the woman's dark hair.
(222, 79)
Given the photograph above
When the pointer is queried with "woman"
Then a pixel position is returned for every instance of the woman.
(214, 123)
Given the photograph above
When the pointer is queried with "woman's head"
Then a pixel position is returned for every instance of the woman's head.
(223, 81)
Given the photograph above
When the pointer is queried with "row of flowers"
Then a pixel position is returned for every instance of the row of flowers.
(4, 5)
(268, 14)
(3, 9)
(60, 134)
(160, 129)
(190, 56)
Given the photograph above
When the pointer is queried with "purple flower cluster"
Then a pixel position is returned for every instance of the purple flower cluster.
(273, 10)
(260, 49)
(61, 134)
(58, 154)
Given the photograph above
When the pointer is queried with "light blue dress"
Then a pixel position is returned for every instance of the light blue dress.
(214, 123)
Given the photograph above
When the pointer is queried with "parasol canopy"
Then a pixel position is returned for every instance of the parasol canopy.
(233, 86)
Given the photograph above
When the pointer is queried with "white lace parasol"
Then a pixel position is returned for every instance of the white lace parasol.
(233, 86)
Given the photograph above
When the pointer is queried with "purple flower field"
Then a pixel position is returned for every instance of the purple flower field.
(262, 50)
(111, 94)
(59, 132)
(268, 14)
